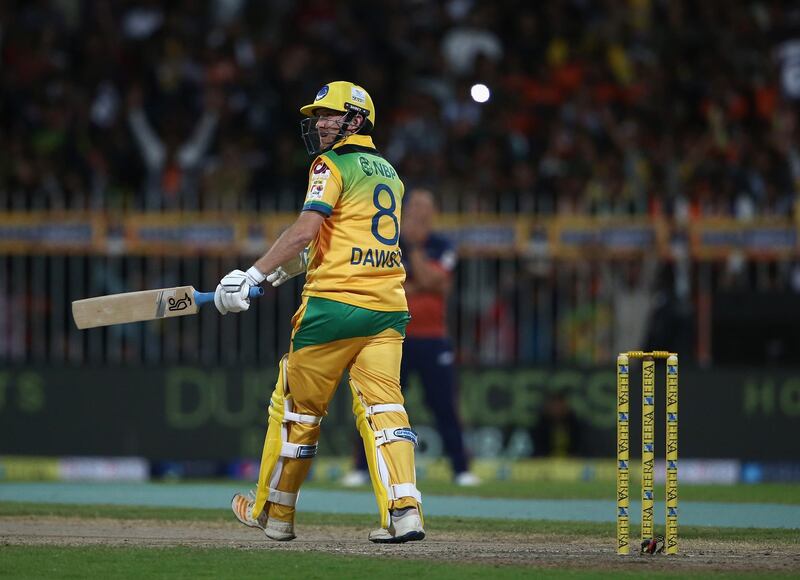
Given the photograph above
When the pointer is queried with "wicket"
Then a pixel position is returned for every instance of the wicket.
(648, 443)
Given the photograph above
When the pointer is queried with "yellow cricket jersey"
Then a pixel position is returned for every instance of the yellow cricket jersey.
(356, 256)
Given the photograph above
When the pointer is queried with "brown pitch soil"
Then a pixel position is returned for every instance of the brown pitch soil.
(535, 550)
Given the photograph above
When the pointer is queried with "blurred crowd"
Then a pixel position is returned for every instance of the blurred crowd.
(596, 107)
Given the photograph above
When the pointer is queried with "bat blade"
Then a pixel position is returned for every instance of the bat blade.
(134, 307)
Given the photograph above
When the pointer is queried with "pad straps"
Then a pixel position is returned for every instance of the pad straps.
(297, 451)
(385, 408)
(282, 497)
(398, 490)
(393, 434)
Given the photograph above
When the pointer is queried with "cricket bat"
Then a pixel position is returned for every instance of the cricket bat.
(144, 305)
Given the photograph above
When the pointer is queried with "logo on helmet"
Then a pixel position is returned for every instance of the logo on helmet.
(358, 95)
(322, 92)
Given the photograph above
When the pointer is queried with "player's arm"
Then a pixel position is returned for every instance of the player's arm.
(233, 291)
(291, 242)
(429, 275)
(325, 186)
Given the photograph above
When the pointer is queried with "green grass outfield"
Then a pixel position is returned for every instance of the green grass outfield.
(36, 563)
(188, 562)
(782, 493)
(137, 562)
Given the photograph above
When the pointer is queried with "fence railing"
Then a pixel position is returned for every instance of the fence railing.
(188, 233)
(526, 291)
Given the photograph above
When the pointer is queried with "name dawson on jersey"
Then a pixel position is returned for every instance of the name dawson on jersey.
(375, 257)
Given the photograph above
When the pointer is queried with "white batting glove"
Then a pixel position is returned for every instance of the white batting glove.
(233, 291)
(289, 270)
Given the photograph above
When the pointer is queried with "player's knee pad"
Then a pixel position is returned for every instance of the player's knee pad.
(376, 446)
(277, 447)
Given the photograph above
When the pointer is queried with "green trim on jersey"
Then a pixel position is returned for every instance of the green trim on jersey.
(320, 206)
(358, 164)
(327, 320)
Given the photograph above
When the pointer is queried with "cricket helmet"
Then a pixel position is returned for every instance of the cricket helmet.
(343, 96)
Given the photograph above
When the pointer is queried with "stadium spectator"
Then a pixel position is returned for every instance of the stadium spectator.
(611, 113)
(173, 168)
(632, 293)
(670, 109)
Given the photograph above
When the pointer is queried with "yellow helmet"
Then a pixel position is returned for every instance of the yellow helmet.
(344, 96)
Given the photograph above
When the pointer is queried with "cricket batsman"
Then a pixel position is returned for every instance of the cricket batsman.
(352, 316)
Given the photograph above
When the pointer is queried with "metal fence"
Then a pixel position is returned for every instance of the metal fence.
(37, 323)
(503, 310)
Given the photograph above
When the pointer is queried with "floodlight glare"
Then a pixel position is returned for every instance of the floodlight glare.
(480, 93)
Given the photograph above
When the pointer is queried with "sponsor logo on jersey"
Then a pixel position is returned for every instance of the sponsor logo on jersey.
(316, 189)
(320, 168)
(374, 166)
(319, 178)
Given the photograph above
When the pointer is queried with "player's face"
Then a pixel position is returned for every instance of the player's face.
(418, 213)
(420, 208)
(328, 125)
(321, 131)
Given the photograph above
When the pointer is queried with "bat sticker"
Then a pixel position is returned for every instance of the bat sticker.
(180, 304)
(160, 305)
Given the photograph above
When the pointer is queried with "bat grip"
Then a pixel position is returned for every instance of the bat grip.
(201, 298)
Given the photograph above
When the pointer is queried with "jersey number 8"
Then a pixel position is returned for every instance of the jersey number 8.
(384, 212)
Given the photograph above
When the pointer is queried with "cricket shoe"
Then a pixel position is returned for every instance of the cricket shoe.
(467, 479)
(243, 510)
(355, 478)
(279, 530)
(406, 526)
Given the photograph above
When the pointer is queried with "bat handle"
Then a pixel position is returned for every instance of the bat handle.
(201, 298)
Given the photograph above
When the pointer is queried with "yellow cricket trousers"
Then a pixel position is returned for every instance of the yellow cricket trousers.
(328, 338)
